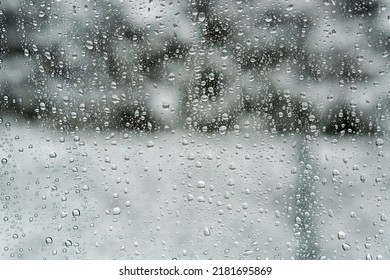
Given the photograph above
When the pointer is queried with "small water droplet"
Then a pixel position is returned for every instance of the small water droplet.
(248, 252)
(206, 231)
(294, 170)
(49, 240)
(204, 98)
(4, 161)
(52, 154)
(165, 105)
(201, 184)
(230, 182)
(232, 166)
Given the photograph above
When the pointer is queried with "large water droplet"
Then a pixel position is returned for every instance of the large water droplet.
(341, 235)
(201, 16)
(222, 129)
(171, 77)
(346, 247)
(150, 144)
(76, 213)
(89, 44)
(379, 143)
(116, 211)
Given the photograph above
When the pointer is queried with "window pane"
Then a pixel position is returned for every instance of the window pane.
(194, 129)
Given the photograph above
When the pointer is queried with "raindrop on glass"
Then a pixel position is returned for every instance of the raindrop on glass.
(116, 211)
(52, 155)
(341, 235)
(76, 212)
(346, 247)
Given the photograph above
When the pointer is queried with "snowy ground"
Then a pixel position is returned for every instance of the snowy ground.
(186, 196)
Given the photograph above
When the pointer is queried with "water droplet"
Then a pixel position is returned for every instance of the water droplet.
(49, 240)
(89, 44)
(341, 235)
(171, 77)
(232, 166)
(52, 154)
(48, 55)
(248, 252)
(68, 243)
(290, 7)
(204, 98)
(191, 156)
(150, 144)
(222, 129)
(4, 161)
(230, 182)
(201, 16)
(114, 98)
(165, 105)
(76, 212)
(206, 231)
(379, 143)
(201, 184)
(116, 211)
(224, 54)
(346, 247)
(294, 170)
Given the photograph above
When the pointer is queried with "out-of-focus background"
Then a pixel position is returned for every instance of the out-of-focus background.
(194, 129)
